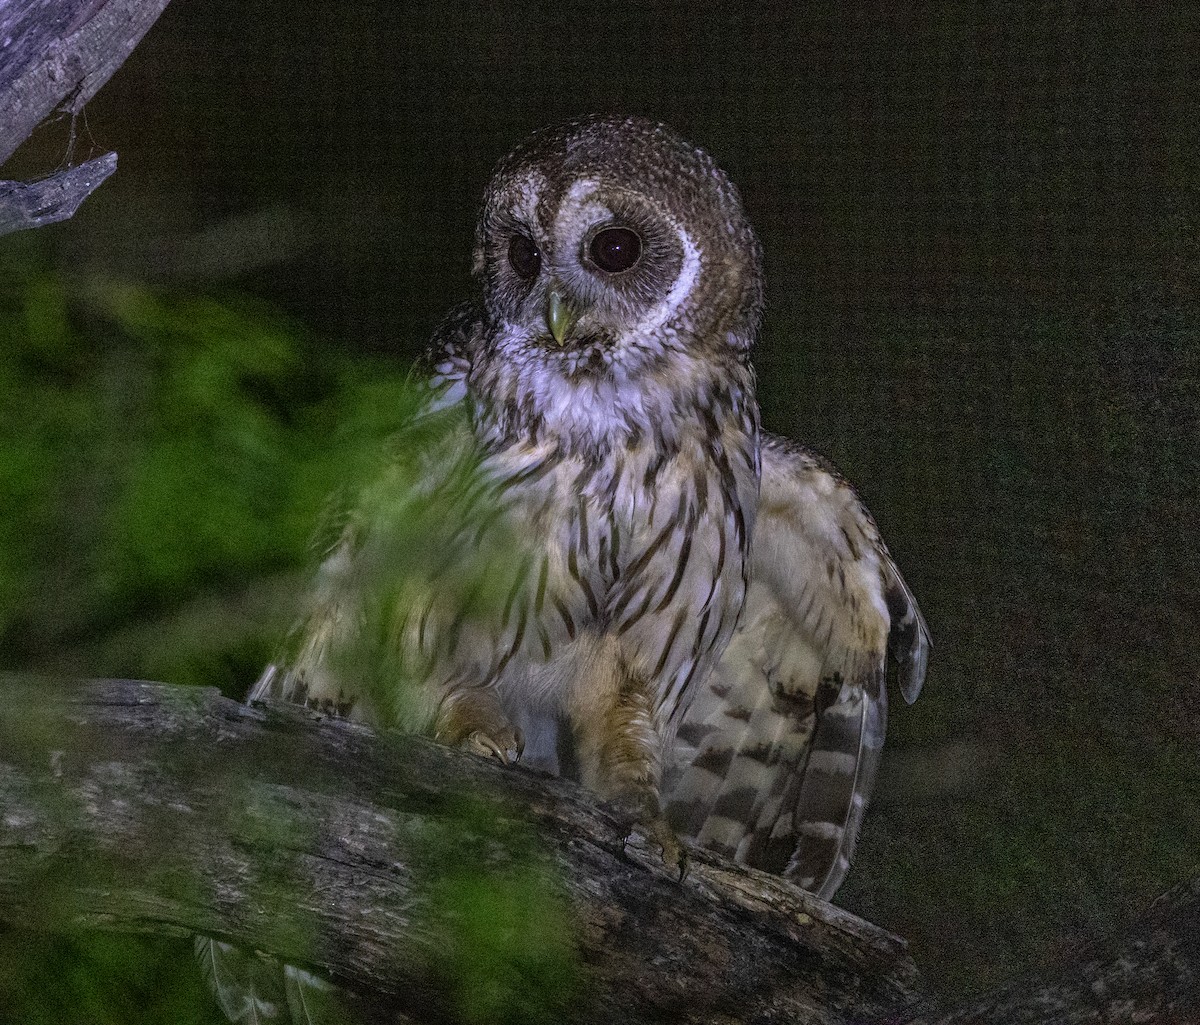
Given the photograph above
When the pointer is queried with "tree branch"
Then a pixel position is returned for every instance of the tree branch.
(55, 55)
(1148, 974)
(33, 204)
(135, 806)
(58, 53)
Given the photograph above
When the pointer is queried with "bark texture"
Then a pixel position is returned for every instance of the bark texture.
(136, 806)
(54, 56)
(142, 807)
(1148, 974)
(33, 204)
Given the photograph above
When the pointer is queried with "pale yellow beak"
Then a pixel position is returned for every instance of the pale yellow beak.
(559, 316)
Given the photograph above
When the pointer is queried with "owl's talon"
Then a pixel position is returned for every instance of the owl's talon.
(482, 743)
(643, 817)
(673, 853)
(474, 721)
(657, 832)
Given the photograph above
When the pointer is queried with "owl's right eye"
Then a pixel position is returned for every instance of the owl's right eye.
(524, 256)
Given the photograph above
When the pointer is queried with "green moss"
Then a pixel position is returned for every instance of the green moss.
(497, 921)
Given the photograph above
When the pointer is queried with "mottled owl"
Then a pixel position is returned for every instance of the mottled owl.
(694, 618)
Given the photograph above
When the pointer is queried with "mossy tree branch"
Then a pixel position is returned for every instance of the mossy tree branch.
(144, 807)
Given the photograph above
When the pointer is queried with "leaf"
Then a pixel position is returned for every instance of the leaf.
(246, 987)
(311, 999)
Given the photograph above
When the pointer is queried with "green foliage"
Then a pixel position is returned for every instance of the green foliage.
(435, 561)
(496, 918)
(98, 979)
(211, 481)
(157, 449)
(163, 462)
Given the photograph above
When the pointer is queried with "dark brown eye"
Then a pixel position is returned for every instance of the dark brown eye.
(615, 249)
(525, 257)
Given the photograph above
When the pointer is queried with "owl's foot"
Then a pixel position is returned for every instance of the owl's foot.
(496, 744)
(473, 720)
(643, 818)
(662, 836)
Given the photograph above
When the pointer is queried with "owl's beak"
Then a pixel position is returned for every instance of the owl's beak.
(559, 316)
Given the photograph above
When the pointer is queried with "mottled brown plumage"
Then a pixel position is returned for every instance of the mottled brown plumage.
(678, 639)
(777, 754)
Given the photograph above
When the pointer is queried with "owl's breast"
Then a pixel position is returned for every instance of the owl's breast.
(645, 542)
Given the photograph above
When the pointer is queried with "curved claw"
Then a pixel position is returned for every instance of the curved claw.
(473, 719)
(483, 743)
(674, 854)
(519, 737)
(660, 834)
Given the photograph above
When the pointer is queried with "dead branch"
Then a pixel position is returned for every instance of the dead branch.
(33, 204)
(55, 55)
(1147, 974)
(144, 807)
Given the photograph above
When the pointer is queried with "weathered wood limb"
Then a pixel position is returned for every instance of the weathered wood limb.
(33, 204)
(1148, 974)
(135, 806)
(55, 55)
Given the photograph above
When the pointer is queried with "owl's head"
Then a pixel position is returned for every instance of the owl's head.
(612, 240)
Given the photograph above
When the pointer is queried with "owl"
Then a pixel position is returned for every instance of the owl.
(690, 616)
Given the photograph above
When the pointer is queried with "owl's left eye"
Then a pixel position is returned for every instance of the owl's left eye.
(615, 249)
(524, 256)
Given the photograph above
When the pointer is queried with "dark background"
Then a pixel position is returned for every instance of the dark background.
(983, 278)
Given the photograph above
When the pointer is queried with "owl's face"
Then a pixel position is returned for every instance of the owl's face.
(607, 243)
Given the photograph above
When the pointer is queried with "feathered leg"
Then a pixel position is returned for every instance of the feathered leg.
(619, 745)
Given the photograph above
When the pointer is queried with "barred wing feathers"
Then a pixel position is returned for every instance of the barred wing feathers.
(777, 755)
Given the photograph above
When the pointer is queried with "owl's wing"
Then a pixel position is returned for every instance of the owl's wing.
(775, 760)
